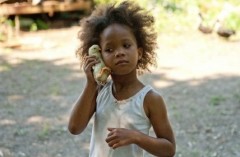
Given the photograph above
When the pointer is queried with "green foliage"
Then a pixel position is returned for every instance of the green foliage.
(5, 66)
(33, 27)
(2, 37)
(172, 5)
(44, 133)
(5, 25)
(237, 97)
(25, 22)
(55, 90)
(178, 15)
(216, 100)
(41, 24)
(97, 2)
(20, 132)
(232, 21)
(32, 24)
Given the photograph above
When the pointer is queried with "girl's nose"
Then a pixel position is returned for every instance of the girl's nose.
(119, 53)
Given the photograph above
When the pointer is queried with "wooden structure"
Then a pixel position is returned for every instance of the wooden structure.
(25, 7)
(44, 7)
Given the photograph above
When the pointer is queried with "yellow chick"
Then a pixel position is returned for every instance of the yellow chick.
(100, 71)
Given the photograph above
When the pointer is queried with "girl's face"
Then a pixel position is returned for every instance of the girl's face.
(119, 49)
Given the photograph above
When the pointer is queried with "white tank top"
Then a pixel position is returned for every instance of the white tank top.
(111, 113)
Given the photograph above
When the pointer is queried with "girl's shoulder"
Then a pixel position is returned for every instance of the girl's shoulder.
(153, 95)
(153, 102)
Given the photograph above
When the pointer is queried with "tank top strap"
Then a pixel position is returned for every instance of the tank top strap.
(145, 90)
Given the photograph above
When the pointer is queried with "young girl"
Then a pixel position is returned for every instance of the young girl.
(124, 108)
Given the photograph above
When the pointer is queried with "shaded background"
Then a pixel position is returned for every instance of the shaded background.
(197, 74)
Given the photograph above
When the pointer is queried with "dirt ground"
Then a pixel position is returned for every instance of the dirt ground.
(198, 75)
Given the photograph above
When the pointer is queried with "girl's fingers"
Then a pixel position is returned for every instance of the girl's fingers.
(110, 129)
(89, 65)
(89, 57)
(111, 133)
(113, 143)
(116, 145)
(110, 137)
(88, 62)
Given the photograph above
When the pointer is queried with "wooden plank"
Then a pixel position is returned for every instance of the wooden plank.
(45, 7)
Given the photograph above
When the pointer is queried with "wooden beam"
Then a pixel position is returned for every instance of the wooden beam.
(45, 7)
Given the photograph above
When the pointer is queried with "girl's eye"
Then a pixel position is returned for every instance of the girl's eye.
(127, 45)
(108, 50)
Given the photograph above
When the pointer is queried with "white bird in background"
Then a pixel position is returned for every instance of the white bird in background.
(221, 30)
(35, 2)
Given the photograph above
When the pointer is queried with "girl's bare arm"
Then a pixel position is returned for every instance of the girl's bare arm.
(83, 109)
(164, 144)
(85, 105)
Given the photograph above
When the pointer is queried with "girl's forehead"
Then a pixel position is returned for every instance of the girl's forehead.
(117, 31)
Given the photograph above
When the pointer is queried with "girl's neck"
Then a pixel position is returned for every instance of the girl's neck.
(125, 81)
(125, 86)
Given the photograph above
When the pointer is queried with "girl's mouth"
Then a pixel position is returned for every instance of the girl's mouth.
(122, 62)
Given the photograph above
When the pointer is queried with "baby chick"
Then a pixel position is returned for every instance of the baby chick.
(100, 71)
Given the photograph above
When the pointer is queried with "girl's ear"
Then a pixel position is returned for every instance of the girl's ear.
(140, 52)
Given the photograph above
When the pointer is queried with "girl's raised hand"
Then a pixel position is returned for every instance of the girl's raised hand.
(118, 137)
(88, 63)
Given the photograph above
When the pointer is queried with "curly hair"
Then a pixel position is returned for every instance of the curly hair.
(127, 13)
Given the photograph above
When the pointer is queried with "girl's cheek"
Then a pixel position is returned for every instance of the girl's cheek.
(107, 60)
(106, 57)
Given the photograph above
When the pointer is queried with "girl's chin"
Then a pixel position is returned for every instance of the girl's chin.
(122, 72)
